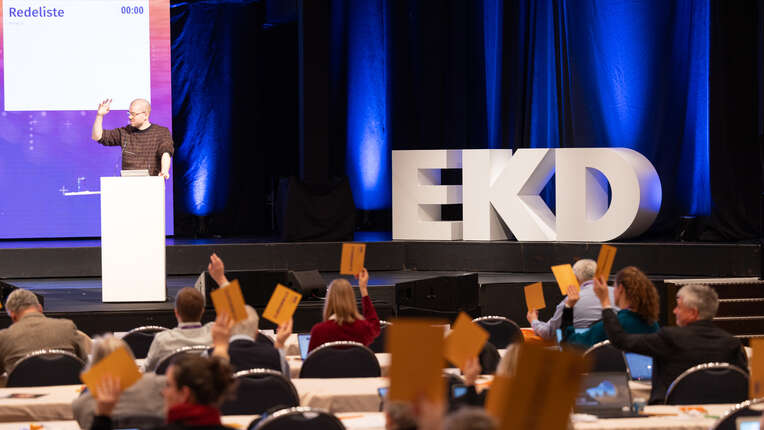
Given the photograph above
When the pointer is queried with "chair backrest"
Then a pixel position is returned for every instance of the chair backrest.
(165, 362)
(378, 345)
(341, 360)
(749, 408)
(139, 339)
(709, 383)
(258, 391)
(46, 367)
(503, 331)
(606, 358)
(300, 417)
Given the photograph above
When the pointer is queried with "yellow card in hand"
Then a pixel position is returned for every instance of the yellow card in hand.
(416, 360)
(757, 369)
(534, 296)
(230, 300)
(565, 277)
(118, 364)
(282, 304)
(605, 261)
(353, 255)
(464, 341)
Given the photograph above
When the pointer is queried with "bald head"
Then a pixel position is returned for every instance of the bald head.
(140, 105)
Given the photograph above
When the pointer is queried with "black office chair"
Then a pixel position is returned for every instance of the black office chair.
(709, 383)
(165, 362)
(139, 339)
(378, 345)
(727, 421)
(263, 338)
(258, 391)
(340, 360)
(301, 417)
(503, 331)
(46, 367)
(606, 358)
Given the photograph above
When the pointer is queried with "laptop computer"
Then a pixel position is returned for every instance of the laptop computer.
(640, 366)
(304, 340)
(605, 395)
(748, 423)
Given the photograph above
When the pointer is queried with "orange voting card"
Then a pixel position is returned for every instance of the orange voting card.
(229, 300)
(416, 360)
(605, 261)
(353, 255)
(565, 277)
(282, 305)
(541, 393)
(757, 369)
(118, 364)
(465, 340)
(534, 296)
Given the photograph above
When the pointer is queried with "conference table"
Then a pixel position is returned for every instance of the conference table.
(659, 418)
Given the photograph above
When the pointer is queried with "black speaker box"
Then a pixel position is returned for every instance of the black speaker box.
(6, 289)
(442, 294)
(257, 285)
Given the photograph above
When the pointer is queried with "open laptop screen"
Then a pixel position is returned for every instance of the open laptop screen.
(604, 390)
(640, 366)
(304, 341)
(747, 423)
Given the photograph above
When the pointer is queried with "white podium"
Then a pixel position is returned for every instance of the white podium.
(133, 239)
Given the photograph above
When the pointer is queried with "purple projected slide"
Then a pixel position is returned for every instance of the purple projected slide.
(60, 58)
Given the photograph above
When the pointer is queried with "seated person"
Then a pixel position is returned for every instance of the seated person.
(31, 331)
(694, 341)
(141, 402)
(472, 370)
(587, 310)
(189, 307)
(247, 354)
(195, 387)
(341, 318)
(634, 294)
(244, 351)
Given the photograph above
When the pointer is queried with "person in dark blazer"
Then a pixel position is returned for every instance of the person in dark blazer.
(32, 330)
(246, 353)
(695, 340)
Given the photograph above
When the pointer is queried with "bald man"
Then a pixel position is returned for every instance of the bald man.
(144, 145)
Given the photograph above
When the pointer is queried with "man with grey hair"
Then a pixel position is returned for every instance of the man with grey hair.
(695, 340)
(140, 406)
(32, 330)
(246, 352)
(586, 312)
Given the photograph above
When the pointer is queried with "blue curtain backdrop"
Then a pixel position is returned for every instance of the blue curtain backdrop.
(431, 74)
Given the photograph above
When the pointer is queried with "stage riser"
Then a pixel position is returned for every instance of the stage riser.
(685, 259)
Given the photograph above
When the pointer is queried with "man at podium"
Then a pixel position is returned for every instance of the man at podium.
(144, 145)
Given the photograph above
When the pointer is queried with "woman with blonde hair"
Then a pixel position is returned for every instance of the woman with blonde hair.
(341, 318)
(634, 294)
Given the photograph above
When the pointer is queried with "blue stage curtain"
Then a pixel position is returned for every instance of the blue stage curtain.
(210, 40)
(560, 74)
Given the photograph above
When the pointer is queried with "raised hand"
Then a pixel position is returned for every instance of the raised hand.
(471, 371)
(104, 107)
(221, 334)
(108, 392)
(532, 315)
(363, 281)
(283, 333)
(217, 269)
(573, 296)
(601, 290)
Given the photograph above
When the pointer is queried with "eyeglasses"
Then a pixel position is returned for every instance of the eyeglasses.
(134, 114)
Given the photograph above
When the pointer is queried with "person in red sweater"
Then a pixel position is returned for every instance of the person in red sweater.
(341, 318)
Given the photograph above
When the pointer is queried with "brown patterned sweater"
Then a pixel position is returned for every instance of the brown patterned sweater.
(141, 149)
